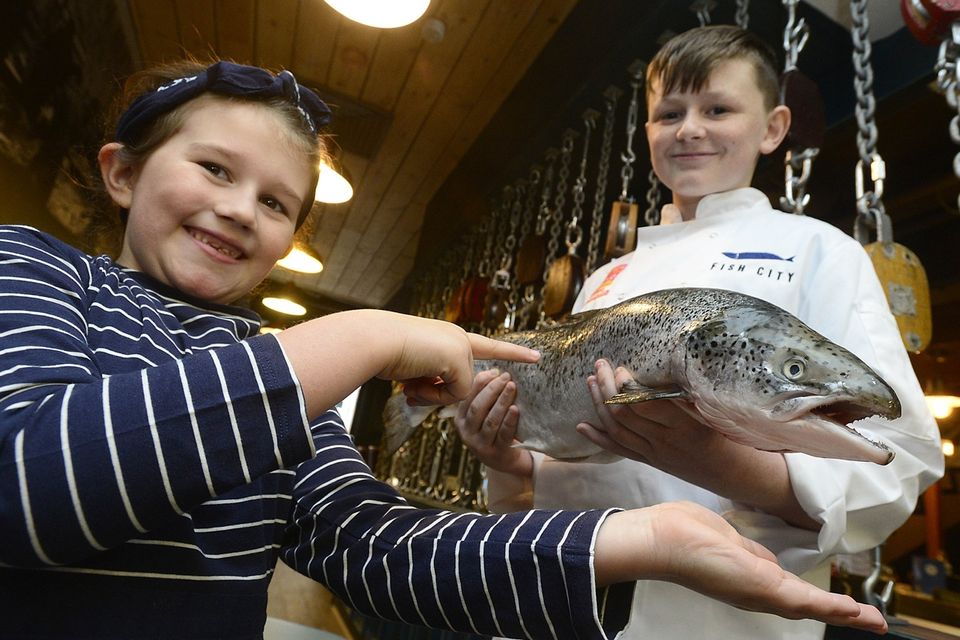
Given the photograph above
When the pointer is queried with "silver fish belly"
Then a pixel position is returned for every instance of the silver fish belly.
(753, 371)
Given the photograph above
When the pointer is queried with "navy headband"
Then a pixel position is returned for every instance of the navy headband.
(225, 78)
(231, 79)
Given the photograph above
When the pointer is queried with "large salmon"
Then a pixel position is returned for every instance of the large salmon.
(753, 371)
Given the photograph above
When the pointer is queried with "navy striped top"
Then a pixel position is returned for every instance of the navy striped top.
(156, 460)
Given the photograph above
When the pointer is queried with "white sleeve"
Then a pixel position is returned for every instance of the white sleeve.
(861, 503)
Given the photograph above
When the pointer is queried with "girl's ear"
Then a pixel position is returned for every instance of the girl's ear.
(778, 125)
(117, 174)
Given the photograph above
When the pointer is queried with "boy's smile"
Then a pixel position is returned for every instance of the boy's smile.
(709, 141)
(215, 206)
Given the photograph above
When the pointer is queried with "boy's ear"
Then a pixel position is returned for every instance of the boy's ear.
(117, 174)
(778, 125)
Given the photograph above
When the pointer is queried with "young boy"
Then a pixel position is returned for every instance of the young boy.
(712, 105)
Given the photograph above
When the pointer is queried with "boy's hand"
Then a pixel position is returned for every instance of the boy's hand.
(487, 422)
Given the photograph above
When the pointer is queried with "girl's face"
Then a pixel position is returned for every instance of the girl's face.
(709, 141)
(215, 206)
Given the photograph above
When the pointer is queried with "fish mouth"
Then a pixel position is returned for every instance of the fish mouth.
(833, 418)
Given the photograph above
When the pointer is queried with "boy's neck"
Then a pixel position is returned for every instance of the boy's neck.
(687, 207)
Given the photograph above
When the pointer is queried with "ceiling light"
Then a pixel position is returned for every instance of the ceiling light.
(302, 259)
(332, 187)
(942, 406)
(948, 448)
(385, 14)
(283, 300)
(940, 400)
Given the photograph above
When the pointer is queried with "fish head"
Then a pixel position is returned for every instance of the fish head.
(765, 379)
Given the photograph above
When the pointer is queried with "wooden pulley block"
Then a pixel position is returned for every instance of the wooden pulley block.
(622, 232)
(929, 20)
(908, 294)
(564, 280)
(530, 259)
(496, 309)
(454, 307)
(474, 300)
(808, 123)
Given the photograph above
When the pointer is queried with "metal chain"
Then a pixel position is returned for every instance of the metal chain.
(652, 214)
(566, 150)
(506, 280)
(488, 230)
(703, 8)
(530, 206)
(502, 216)
(628, 156)
(612, 94)
(795, 35)
(948, 79)
(742, 16)
(574, 232)
(870, 211)
(543, 215)
(796, 198)
(509, 236)
(798, 162)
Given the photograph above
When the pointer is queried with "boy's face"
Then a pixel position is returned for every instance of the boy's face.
(707, 142)
(215, 206)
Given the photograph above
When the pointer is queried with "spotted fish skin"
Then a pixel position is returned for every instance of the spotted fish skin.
(753, 371)
(728, 353)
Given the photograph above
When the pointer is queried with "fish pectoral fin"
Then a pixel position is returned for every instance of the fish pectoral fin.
(632, 393)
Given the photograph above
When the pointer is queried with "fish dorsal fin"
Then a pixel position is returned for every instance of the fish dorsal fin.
(634, 392)
(573, 319)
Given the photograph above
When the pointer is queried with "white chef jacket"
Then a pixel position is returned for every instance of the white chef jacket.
(824, 277)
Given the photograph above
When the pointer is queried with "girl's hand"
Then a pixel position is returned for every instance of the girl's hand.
(487, 422)
(692, 546)
(434, 359)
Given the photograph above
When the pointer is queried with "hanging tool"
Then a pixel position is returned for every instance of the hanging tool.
(898, 268)
(808, 119)
(622, 231)
(567, 273)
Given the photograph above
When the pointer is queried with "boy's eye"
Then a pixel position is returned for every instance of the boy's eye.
(670, 115)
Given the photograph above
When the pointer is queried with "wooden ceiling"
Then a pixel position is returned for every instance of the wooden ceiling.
(407, 107)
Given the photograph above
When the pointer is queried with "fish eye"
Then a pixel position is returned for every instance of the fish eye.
(794, 368)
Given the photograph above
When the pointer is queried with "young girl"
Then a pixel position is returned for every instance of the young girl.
(157, 455)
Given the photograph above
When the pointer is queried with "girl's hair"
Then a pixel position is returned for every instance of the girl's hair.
(136, 150)
(686, 61)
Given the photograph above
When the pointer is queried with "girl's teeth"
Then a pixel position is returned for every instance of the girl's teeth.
(227, 251)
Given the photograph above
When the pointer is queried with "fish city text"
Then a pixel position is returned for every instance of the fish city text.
(761, 271)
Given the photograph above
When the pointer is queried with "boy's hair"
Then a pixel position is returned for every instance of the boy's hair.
(686, 61)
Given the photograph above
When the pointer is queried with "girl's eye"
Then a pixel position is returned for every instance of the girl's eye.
(718, 110)
(214, 169)
(274, 204)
